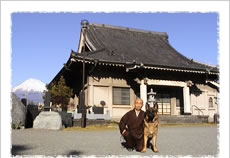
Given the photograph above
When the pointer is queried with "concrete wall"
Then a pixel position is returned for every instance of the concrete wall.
(202, 101)
(102, 90)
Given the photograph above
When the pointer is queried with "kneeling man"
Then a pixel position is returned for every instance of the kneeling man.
(132, 126)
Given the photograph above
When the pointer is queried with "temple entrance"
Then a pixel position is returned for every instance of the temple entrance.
(164, 104)
(169, 99)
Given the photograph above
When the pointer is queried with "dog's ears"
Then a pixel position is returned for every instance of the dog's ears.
(146, 106)
(155, 106)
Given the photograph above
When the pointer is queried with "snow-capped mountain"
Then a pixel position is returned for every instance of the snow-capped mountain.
(31, 89)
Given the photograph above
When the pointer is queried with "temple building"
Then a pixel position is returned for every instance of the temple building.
(123, 63)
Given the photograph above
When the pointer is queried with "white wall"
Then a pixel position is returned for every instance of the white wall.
(202, 102)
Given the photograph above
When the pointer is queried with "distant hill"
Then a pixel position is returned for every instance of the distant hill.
(31, 89)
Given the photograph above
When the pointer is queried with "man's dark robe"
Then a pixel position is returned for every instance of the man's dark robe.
(134, 126)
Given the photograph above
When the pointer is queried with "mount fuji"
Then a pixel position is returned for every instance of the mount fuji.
(31, 89)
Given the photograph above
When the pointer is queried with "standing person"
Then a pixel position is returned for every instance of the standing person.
(132, 126)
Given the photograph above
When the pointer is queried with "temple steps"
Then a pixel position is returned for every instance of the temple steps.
(167, 119)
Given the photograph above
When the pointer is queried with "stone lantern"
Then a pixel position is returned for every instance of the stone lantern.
(151, 98)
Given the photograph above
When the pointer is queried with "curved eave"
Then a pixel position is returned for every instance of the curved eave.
(110, 63)
(92, 61)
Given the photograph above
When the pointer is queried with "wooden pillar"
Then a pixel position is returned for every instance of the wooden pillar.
(143, 93)
(90, 95)
(187, 106)
(173, 106)
(110, 104)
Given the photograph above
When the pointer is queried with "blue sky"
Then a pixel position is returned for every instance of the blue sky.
(42, 42)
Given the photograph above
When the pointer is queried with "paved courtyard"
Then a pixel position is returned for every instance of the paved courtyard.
(172, 141)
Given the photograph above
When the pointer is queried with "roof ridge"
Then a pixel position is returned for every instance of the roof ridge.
(129, 29)
(206, 64)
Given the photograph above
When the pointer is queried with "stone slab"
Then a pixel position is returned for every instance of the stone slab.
(48, 120)
(18, 111)
(77, 122)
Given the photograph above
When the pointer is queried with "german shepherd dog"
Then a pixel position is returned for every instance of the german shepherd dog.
(151, 126)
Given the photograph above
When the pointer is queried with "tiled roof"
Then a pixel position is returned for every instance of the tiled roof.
(113, 44)
(132, 48)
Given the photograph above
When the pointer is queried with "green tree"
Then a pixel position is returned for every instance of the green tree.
(60, 93)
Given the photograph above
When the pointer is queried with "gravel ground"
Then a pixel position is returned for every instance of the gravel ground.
(172, 141)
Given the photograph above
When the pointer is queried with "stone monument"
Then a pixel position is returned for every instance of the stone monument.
(18, 111)
(48, 119)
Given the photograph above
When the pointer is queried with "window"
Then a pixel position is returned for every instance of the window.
(210, 102)
(121, 96)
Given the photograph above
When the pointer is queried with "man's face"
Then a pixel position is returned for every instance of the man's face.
(138, 104)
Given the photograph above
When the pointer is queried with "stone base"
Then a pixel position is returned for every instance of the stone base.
(182, 119)
(67, 120)
(77, 122)
(93, 116)
(187, 113)
(48, 120)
